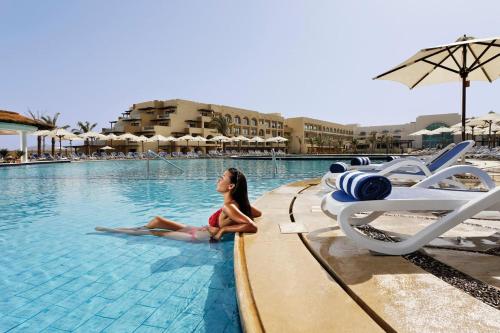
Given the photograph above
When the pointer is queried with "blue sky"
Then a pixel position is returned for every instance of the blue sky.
(90, 60)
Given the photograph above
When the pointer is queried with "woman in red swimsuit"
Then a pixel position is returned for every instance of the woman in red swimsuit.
(236, 215)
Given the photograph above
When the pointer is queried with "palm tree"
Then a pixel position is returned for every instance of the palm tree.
(53, 121)
(320, 142)
(354, 142)
(310, 140)
(329, 142)
(373, 139)
(84, 127)
(221, 124)
(339, 143)
(300, 144)
(38, 117)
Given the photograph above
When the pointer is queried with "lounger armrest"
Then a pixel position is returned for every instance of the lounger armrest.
(396, 161)
(456, 170)
(405, 164)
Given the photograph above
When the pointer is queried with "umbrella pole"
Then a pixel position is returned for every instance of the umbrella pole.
(158, 150)
(464, 87)
(60, 146)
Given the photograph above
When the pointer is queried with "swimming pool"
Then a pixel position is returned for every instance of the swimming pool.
(57, 274)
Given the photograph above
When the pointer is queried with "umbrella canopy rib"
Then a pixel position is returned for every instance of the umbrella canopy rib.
(482, 54)
(431, 70)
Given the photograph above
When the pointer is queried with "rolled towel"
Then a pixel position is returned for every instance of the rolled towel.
(360, 161)
(392, 158)
(364, 186)
(339, 167)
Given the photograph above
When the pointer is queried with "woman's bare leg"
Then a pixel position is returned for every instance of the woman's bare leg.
(159, 222)
(198, 236)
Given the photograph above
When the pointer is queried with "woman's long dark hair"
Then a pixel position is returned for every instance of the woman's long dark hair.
(240, 191)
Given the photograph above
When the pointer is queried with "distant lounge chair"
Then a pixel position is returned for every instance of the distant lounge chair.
(461, 205)
(409, 169)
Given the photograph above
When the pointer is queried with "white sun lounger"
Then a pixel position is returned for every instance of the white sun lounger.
(461, 204)
(412, 169)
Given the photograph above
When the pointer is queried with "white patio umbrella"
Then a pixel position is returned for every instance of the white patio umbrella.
(487, 121)
(220, 138)
(442, 130)
(71, 138)
(421, 132)
(186, 138)
(111, 137)
(256, 140)
(60, 133)
(141, 139)
(466, 59)
(158, 138)
(107, 148)
(127, 137)
(41, 133)
(199, 139)
(92, 135)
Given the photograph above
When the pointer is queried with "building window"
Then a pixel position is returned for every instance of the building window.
(254, 131)
(245, 131)
(237, 131)
(135, 124)
(229, 118)
(245, 121)
(237, 120)
(261, 132)
(261, 121)
(254, 122)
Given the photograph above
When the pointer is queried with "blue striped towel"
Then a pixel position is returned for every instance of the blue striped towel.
(392, 158)
(360, 161)
(364, 186)
(338, 167)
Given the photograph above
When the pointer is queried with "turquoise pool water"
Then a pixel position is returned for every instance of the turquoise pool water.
(57, 274)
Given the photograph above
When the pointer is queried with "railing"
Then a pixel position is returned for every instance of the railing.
(152, 153)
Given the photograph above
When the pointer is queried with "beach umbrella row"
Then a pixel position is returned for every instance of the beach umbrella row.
(63, 134)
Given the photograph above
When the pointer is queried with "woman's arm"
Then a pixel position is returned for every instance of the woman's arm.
(235, 215)
(239, 222)
(256, 212)
(250, 228)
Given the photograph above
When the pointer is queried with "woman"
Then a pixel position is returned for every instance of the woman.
(236, 215)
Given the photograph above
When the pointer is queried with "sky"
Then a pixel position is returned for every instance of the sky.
(90, 60)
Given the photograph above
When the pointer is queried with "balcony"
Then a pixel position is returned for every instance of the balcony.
(162, 117)
(148, 128)
(128, 118)
(206, 112)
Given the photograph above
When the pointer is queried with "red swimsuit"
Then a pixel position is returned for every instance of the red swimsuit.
(213, 220)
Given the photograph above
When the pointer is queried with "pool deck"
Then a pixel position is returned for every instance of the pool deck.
(315, 279)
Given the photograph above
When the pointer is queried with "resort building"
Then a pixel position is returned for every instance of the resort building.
(308, 135)
(178, 117)
(396, 138)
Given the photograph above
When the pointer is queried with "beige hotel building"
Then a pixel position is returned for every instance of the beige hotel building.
(177, 117)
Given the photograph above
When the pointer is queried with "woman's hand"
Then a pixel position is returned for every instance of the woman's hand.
(213, 231)
(218, 235)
